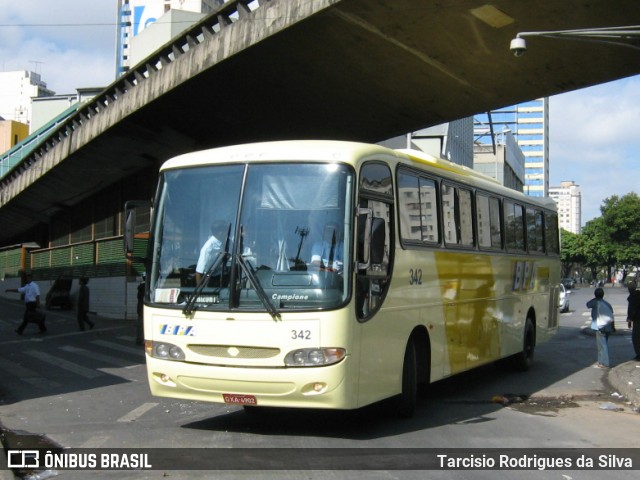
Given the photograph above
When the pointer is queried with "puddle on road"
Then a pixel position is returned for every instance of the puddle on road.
(544, 405)
(21, 440)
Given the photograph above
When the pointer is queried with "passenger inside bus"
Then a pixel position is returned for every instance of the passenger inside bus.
(211, 248)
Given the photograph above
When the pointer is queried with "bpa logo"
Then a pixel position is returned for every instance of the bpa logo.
(23, 459)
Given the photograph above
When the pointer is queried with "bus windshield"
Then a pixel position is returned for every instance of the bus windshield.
(263, 237)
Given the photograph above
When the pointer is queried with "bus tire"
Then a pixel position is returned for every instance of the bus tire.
(524, 360)
(405, 403)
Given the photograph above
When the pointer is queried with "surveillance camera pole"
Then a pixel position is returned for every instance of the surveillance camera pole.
(621, 36)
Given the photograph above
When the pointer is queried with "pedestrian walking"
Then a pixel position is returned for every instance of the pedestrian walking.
(83, 305)
(31, 293)
(602, 321)
(633, 316)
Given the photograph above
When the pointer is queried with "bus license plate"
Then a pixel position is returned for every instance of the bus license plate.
(236, 399)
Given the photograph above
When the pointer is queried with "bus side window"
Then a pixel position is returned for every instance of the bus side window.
(514, 226)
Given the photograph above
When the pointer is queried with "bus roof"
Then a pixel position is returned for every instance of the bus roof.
(286, 150)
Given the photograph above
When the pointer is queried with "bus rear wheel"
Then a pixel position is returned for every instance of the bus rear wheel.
(524, 360)
(405, 403)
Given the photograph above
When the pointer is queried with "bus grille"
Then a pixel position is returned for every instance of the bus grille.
(231, 351)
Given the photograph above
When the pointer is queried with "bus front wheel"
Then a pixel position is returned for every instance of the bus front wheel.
(405, 403)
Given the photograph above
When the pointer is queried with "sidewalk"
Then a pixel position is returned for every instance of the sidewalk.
(625, 378)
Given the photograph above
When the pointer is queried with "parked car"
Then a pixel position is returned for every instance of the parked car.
(569, 283)
(563, 299)
(59, 294)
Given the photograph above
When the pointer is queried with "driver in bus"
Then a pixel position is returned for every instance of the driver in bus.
(328, 253)
(211, 248)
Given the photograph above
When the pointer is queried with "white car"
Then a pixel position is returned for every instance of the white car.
(563, 299)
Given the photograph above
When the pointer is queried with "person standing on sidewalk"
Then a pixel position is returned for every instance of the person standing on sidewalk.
(633, 316)
(31, 293)
(602, 322)
(83, 304)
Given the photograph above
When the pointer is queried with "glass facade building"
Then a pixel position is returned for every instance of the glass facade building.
(529, 123)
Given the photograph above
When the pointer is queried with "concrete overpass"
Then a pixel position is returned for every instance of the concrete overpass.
(344, 69)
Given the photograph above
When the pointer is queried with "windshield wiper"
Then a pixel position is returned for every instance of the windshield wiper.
(220, 258)
(262, 295)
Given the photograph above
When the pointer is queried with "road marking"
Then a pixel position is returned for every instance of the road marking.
(64, 364)
(27, 375)
(95, 442)
(97, 356)
(138, 412)
(121, 348)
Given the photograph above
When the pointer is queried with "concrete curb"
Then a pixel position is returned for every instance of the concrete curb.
(625, 378)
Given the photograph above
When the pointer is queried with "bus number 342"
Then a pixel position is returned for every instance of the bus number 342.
(415, 276)
(300, 335)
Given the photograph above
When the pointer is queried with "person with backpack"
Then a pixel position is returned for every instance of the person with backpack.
(602, 321)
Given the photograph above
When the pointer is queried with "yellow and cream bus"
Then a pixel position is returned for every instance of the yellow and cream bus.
(328, 274)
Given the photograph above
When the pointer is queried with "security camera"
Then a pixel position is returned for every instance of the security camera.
(518, 46)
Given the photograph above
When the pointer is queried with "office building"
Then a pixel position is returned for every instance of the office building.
(569, 200)
(451, 141)
(529, 122)
(134, 16)
(503, 161)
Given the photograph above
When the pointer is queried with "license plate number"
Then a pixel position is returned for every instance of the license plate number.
(236, 399)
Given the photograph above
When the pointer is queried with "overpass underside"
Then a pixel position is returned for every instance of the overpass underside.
(360, 70)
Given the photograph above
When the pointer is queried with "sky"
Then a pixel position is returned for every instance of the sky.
(594, 137)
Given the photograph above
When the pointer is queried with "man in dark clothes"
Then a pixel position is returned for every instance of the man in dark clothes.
(83, 304)
(633, 316)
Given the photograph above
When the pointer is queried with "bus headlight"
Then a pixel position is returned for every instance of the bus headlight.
(314, 357)
(166, 351)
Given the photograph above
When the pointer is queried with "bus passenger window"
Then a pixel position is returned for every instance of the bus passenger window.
(514, 226)
(488, 219)
(457, 214)
(410, 212)
(535, 238)
(551, 233)
(417, 208)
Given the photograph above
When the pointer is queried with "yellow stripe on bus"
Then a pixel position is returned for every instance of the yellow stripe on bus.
(468, 290)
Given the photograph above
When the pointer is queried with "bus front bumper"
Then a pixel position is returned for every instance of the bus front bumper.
(301, 387)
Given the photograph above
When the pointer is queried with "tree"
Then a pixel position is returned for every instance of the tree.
(596, 247)
(621, 218)
(571, 252)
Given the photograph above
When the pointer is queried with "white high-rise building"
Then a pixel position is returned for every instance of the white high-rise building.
(136, 15)
(16, 91)
(569, 201)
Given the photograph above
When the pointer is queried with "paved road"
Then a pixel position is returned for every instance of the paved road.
(88, 390)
